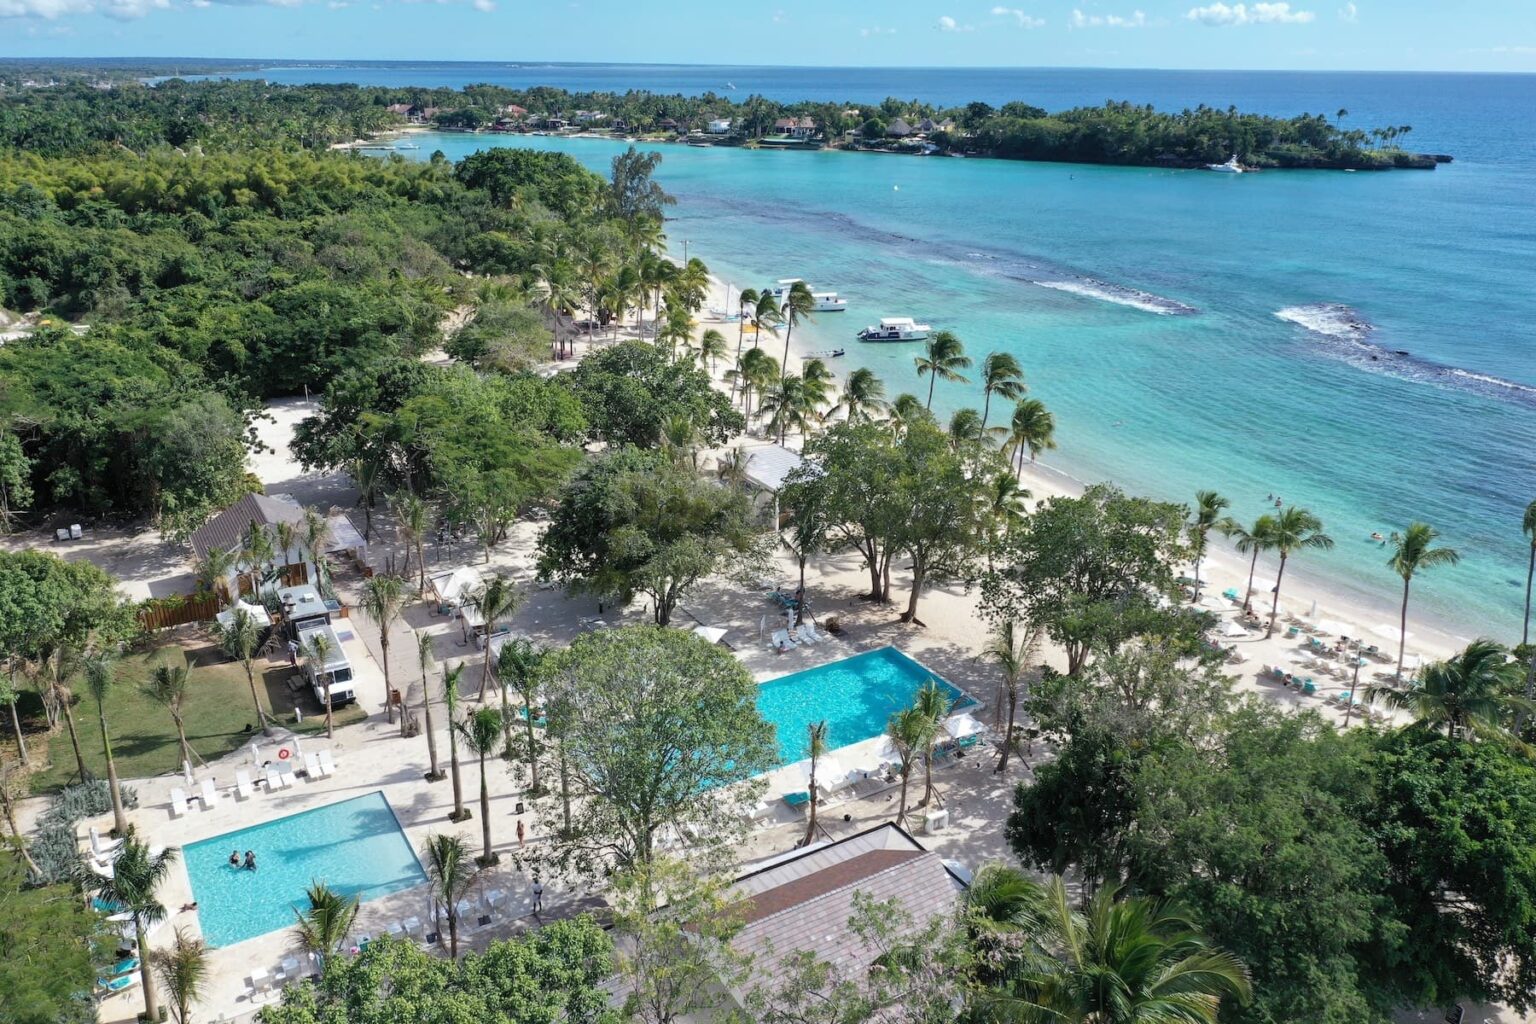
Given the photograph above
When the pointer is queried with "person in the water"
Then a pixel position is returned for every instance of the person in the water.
(250, 860)
(234, 858)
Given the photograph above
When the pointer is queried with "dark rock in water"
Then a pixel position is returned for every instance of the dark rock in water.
(1400, 351)
(1443, 158)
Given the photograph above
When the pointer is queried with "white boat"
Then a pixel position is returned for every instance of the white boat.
(829, 302)
(781, 287)
(1230, 167)
(895, 328)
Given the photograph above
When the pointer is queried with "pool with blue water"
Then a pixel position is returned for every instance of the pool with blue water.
(356, 847)
(856, 696)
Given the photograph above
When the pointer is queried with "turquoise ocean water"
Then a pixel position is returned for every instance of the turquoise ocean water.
(1146, 304)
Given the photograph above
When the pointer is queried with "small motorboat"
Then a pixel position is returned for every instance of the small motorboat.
(1230, 167)
(895, 328)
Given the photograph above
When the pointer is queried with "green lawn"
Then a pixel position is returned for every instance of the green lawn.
(219, 716)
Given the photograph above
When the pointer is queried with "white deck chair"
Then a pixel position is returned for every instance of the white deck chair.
(412, 926)
(781, 640)
(395, 929)
(327, 766)
(243, 788)
(178, 803)
(210, 795)
(104, 849)
(274, 780)
(808, 631)
(312, 766)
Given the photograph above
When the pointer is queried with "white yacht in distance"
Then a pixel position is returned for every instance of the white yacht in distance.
(1230, 167)
(895, 328)
(825, 302)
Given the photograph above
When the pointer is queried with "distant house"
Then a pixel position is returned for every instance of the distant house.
(898, 129)
(784, 125)
(719, 126)
(927, 125)
(402, 109)
(589, 116)
(667, 124)
(227, 533)
(513, 110)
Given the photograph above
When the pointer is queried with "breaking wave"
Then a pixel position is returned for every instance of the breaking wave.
(1120, 296)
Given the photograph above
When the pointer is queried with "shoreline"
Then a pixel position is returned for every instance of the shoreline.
(1303, 586)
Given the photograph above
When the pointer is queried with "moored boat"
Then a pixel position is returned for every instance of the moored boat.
(895, 328)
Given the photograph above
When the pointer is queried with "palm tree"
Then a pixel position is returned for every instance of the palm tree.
(451, 706)
(495, 601)
(1208, 508)
(414, 519)
(451, 876)
(424, 659)
(1528, 527)
(787, 407)
(798, 306)
(1012, 654)
(934, 705)
(1032, 429)
(745, 301)
(184, 970)
(905, 411)
(317, 536)
(765, 316)
(255, 552)
(322, 930)
(1001, 375)
(817, 377)
(213, 572)
(55, 668)
(863, 396)
(285, 541)
(168, 685)
(1130, 961)
(1473, 693)
(483, 733)
(815, 749)
(731, 467)
(712, 348)
(944, 357)
(965, 430)
(1252, 541)
(758, 370)
(241, 639)
(681, 438)
(383, 600)
(99, 679)
(908, 731)
(675, 327)
(1296, 529)
(136, 877)
(316, 650)
(1413, 550)
(517, 667)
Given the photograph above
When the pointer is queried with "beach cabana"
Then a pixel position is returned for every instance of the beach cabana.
(768, 467)
(961, 726)
(454, 588)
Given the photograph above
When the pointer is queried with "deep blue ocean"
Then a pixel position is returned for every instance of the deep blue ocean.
(1185, 327)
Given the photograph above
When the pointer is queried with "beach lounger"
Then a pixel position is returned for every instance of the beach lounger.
(803, 635)
(274, 780)
(395, 929)
(97, 867)
(243, 787)
(781, 641)
(808, 631)
(210, 795)
(327, 766)
(412, 926)
(123, 966)
(312, 766)
(112, 986)
(178, 803)
(104, 849)
(797, 799)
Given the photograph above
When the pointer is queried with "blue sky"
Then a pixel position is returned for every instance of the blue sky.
(1491, 35)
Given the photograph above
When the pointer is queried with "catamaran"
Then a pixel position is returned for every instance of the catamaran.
(895, 328)
(825, 302)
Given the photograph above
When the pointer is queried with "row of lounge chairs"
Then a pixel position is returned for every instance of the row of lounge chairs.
(119, 977)
(1333, 698)
(317, 765)
(806, 633)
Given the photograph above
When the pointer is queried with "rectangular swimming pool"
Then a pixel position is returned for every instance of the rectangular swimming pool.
(856, 695)
(356, 847)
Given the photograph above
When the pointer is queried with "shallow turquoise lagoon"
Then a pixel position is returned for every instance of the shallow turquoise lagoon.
(856, 695)
(356, 847)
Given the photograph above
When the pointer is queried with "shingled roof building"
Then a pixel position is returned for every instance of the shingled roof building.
(226, 532)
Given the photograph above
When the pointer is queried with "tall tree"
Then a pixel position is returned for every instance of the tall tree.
(168, 686)
(863, 396)
(497, 599)
(798, 306)
(633, 193)
(517, 668)
(241, 639)
(1012, 653)
(137, 875)
(451, 876)
(1252, 541)
(1296, 529)
(316, 651)
(1032, 429)
(414, 520)
(815, 750)
(482, 731)
(451, 697)
(424, 659)
(746, 303)
(1413, 550)
(383, 600)
(323, 928)
(659, 731)
(1209, 507)
(909, 732)
(935, 704)
(1474, 693)
(941, 528)
(184, 969)
(99, 677)
(943, 356)
(1001, 375)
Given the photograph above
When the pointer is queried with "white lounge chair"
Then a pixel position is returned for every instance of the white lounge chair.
(98, 868)
(808, 631)
(274, 780)
(312, 766)
(781, 641)
(327, 766)
(412, 926)
(178, 803)
(494, 898)
(395, 929)
(103, 848)
(243, 787)
(210, 795)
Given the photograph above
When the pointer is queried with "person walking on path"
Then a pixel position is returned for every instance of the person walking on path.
(538, 897)
(520, 832)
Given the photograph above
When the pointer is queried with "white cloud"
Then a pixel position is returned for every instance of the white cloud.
(1136, 19)
(1220, 15)
(778, 16)
(948, 24)
(1022, 17)
(876, 30)
(486, 6)
(128, 10)
(1350, 13)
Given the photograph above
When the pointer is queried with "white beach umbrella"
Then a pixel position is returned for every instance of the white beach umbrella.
(1231, 628)
(961, 726)
(828, 768)
(711, 634)
(1213, 602)
(186, 773)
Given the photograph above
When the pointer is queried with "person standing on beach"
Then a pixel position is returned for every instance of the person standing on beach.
(520, 832)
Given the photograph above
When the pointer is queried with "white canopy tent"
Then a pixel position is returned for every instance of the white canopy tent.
(259, 614)
(961, 726)
(1232, 628)
(456, 587)
(711, 634)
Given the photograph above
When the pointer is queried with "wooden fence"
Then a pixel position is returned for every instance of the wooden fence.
(164, 615)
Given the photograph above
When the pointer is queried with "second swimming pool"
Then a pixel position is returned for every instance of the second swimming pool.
(856, 696)
(356, 847)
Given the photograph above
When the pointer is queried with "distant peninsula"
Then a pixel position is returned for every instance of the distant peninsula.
(1116, 133)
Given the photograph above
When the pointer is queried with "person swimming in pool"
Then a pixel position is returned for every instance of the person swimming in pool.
(250, 860)
(234, 858)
